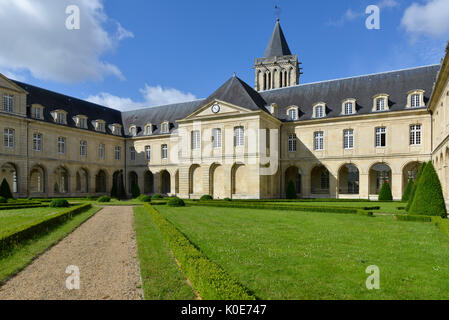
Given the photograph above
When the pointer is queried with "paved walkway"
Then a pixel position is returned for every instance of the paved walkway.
(105, 251)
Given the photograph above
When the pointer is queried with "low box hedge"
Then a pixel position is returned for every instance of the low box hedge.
(25, 206)
(207, 278)
(25, 232)
(410, 217)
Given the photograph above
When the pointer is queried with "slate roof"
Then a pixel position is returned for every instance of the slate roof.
(396, 84)
(53, 101)
(277, 46)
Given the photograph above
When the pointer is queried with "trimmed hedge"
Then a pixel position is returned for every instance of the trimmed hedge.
(144, 198)
(3, 200)
(206, 197)
(59, 203)
(175, 202)
(407, 191)
(410, 217)
(104, 199)
(23, 206)
(235, 204)
(5, 190)
(429, 199)
(291, 191)
(25, 232)
(207, 278)
(385, 192)
(415, 185)
(157, 196)
(135, 191)
(227, 199)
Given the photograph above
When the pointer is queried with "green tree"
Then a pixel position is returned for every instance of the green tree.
(407, 191)
(291, 190)
(135, 190)
(385, 192)
(429, 199)
(5, 191)
(114, 190)
(412, 193)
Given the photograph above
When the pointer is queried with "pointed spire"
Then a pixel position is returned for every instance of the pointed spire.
(277, 47)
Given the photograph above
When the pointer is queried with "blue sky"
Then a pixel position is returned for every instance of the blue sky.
(130, 54)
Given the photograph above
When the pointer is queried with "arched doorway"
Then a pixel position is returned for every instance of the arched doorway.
(148, 182)
(37, 179)
(8, 171)
(100, 182)
(319, 180)
(217, 183)
(239, 179)
(61, 185)
(378, 174)
(409, 172)
(165, 182)
(133, 179)
(293, 174)
(82, 181)
(195, 180)
(348, 179)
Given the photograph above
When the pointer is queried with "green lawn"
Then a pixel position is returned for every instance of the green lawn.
(11, 219)
(300, 255)
(161, 277)
(24, 253)
(385, 207)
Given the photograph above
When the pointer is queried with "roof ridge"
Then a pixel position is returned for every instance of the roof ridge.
(353, 77)
(165, 105)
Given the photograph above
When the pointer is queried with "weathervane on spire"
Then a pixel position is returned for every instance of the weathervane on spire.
(277, 11)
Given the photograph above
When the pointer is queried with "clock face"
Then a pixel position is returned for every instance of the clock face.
(216, 108)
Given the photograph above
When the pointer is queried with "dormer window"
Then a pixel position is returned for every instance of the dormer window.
(348, 107)
(148, 129)
(380, 102)
(319, 110)
(164, 127)
(116, 129)
(59, 116)
(133, 131)
(292, 113)
(37, 112)
(8, 103)
(81, 121)
(415, 99)
(100, 126)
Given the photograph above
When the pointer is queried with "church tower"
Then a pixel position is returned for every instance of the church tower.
(278, 68)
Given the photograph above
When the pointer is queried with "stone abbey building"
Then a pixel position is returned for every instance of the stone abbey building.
(339, 138)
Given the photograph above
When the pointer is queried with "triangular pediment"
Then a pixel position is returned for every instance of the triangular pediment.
(8, 84)
(217, 108)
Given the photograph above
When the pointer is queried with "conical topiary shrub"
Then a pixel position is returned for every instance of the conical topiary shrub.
(385, 192)
(5, 191)
(135, 190)
(407, 191)
(429, 199)
(412, 193)
(291, 190)
(114, 190)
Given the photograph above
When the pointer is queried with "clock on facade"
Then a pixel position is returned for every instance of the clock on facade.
(216, 108)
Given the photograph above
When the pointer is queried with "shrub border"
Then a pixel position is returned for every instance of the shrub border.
(410, 217)
(29, 231)
(207, 278)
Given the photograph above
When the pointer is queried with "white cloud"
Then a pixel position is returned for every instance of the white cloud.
(34, 38)
(151, 96)
(429, 19)
(388, 4)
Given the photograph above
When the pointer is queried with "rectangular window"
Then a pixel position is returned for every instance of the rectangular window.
(101, 150)
(348, 139)
(117, 153)
(216, 138)
(8, 103)
(415, 100)
(239, 136)
(292, 143)
(37, 113)
(82, 123)
(100, 126)
(148, 130)
(83, 148)
(381, 137)
(60, 118)
(415, 134)
(164, 151)
(292, 114)
(132, 153)
(348, 108)
(148, 153)
(319, 140)
(318, 111)
(8, 137)
(380, 104)
(61, 145)
(164, 128)
(37, 142)
(195, 139)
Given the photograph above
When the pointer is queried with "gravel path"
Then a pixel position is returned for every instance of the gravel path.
(105, 251)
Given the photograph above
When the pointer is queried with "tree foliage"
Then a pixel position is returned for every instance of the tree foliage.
(407, 191)
(291, 190)
(385, 192)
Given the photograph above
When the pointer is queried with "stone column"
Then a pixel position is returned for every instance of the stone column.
(396, 186)
(364, 185)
